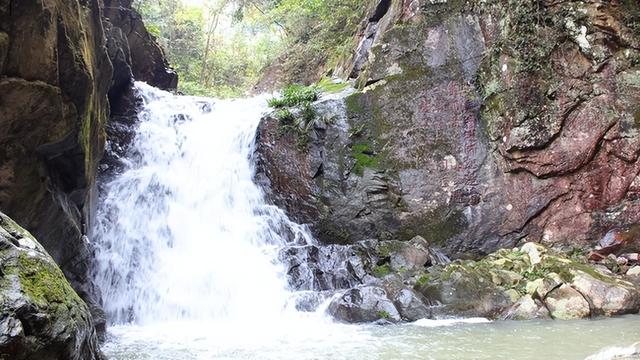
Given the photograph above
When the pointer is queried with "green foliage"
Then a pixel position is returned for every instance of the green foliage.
(294, 95)
(422, 280)
(325, 28)
(213, 54)
(383, 314)
(382, 270)
(295, 112)
(284, 116)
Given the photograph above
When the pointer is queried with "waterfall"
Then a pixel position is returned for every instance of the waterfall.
(183, 233)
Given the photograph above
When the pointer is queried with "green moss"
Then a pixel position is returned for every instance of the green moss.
(387, 248)
(44, 283)
(365, 157)
(382, 270)
(333, 233)
(353, 104)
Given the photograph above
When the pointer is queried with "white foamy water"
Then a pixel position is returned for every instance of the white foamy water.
(184, 233)
(186, 262)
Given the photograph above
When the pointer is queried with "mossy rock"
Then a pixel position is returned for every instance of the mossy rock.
(487, 287)
(43, 317)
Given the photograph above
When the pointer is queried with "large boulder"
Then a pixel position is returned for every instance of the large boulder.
(526, 308)
(42, 317)
(607, 296)
(330, 267)
(464, 289)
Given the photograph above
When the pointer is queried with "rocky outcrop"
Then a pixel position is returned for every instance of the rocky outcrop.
(53, 107)
(479, 125)
(529, 282)
(41, 316)
(62, 75)
(148, 62)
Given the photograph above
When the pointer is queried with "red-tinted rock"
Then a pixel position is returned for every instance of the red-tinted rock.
(482, 128)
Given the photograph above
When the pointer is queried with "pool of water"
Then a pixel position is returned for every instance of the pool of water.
(316, 338)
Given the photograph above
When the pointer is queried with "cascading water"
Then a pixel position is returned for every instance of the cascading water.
(183, 233)
(187, 260)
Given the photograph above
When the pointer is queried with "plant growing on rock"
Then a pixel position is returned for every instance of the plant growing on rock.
(294, 95)
(295, 112)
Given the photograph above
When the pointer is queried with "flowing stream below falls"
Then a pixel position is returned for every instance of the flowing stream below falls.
(187, 266)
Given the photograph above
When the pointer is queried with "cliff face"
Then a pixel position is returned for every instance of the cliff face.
(53, 109)
(480, 124)
(66, 67)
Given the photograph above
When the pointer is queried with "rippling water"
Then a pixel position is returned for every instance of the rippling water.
(314, 339)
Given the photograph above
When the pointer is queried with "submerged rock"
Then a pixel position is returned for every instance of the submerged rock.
(618, 353)
(41, 315)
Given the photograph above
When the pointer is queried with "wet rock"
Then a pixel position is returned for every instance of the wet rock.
(327, 267)
(363, 304)
(410, 305)
(410, 255)
(61, 74)
(4, 48)
(618, 353)
(42, 316)
(566, 302)
(310, 301)
(148, 62)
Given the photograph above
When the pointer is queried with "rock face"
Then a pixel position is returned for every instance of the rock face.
(479, 125)
(42, 317)
(148, 62)
(53, 107)
(62, 75)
